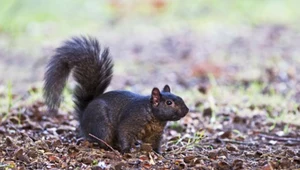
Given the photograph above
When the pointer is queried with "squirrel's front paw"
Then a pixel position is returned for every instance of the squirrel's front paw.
(157, 150)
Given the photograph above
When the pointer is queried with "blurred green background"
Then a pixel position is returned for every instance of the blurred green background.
(31, 29)
(39, 19)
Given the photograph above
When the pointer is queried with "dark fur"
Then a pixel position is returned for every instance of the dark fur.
(120, 118)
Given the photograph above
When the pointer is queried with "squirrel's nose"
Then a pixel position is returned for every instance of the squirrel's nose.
(186, 109)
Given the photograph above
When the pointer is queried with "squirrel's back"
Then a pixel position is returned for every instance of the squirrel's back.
(92, 70)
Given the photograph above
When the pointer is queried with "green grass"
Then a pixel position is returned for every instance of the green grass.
(9, 100)
(278, 107)
(6, 100)
(39, 20)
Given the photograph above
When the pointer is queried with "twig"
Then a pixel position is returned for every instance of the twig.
(115, 151)
(238, 142)
(279, 138)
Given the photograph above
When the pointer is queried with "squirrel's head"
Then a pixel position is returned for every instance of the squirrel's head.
(167, 106)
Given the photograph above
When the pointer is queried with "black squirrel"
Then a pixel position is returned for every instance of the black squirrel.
(119, 118)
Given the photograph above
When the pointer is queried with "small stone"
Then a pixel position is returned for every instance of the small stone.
(212, 155)
(231, 148)
(223, 165)
(227, 134)
(9, 141)
(86, 160)
(189, 159)
(207, 112)
(133, 161)
(237, 164)
(32, 153)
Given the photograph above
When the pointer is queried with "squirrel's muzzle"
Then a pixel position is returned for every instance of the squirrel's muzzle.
(182, 112)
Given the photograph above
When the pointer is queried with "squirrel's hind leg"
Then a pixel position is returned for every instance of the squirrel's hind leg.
(95, 127)
(102, 135)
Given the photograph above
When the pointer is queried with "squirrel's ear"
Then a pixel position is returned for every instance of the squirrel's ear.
(155, 96)
(167, 88)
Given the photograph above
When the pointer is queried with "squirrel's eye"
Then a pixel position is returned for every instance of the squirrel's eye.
(169, 102)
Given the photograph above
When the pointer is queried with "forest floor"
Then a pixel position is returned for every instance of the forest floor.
(243, 93)
(236, 65)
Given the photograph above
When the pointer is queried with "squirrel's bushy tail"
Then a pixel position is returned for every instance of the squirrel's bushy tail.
(92, 70)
